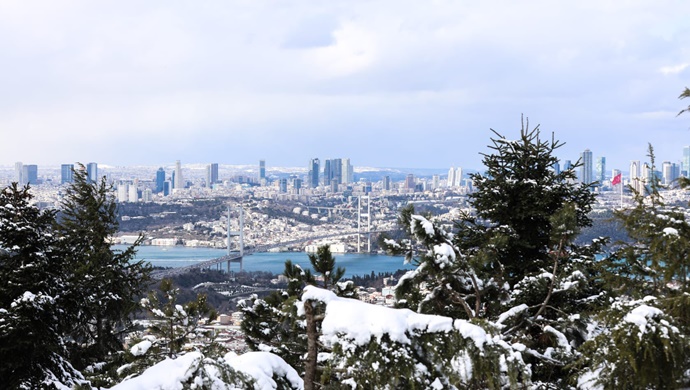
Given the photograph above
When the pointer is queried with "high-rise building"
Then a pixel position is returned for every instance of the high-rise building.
(556, 168)
(347, 171)
(133, 193)
(451, 177)
(313, 179)
(147, 195)
(409, 181)
(19, 173)
(211, 174)
(30, 174)
(160, 180)
(178, 182)
(333, 170)
(567, 164)
(262, 170)
(669, 172)
(600, 170)
(686, 161)
(123, 192)
(66, 173)
(586, 167)
(92, 172)
(435, 181)
(634, 170)
(457, 177)
(387, 183)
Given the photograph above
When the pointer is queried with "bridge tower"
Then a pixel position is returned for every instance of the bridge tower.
(240, 236)
(367, 219)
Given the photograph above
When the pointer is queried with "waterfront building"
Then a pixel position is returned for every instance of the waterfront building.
(66, 173)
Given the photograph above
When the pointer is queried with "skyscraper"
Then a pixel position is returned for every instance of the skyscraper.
(586, 168)
(387, 183)
(458, 177)
(211, 174)
(19, 173)
(686, 161)
(66, 173)
(178, 183)
(92, 172)
(347, 171)
(30, 174)
(314, 165)
(600, 170)
(634, 169)
(262, 170)
(451, 177)
(409, 181)
(333, 170)
(160, 180)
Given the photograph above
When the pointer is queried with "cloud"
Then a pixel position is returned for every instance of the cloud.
(673, 69)
(340, 78)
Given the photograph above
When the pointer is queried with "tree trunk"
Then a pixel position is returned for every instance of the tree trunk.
(310, 364)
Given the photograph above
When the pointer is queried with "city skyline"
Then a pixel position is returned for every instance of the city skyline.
(389, 84)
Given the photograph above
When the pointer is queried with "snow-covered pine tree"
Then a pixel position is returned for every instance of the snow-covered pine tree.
(273, 325)
(103, 284)
(32, 351)
(514, 263)
(171, 326)
(645, 331)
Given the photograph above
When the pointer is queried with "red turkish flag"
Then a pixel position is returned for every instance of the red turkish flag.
(616, 179)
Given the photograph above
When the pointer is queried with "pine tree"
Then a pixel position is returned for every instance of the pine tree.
(644, 341)
(31, 346)
(103, 284)
(513, 263)
(272, 324)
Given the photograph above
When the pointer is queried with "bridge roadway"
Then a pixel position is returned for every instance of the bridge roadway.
(235, 257)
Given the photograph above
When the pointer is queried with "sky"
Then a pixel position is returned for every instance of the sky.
(386, 83)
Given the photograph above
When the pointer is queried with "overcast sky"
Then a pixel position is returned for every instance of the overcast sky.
(385, 83)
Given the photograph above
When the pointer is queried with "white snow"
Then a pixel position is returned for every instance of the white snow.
(640, 316)
(510, 313)
(444, 254)
(426, 224)
(262, 366)
(350, 320)
(669, 231)
(169, 374)
(141, 347)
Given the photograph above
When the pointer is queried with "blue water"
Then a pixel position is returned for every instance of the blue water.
(179, 256)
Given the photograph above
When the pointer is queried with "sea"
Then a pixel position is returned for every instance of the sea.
(354, 263)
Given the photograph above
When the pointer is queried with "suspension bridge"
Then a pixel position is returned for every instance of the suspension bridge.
(237, 256)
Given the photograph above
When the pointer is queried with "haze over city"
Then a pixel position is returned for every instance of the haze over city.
(388, 84)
